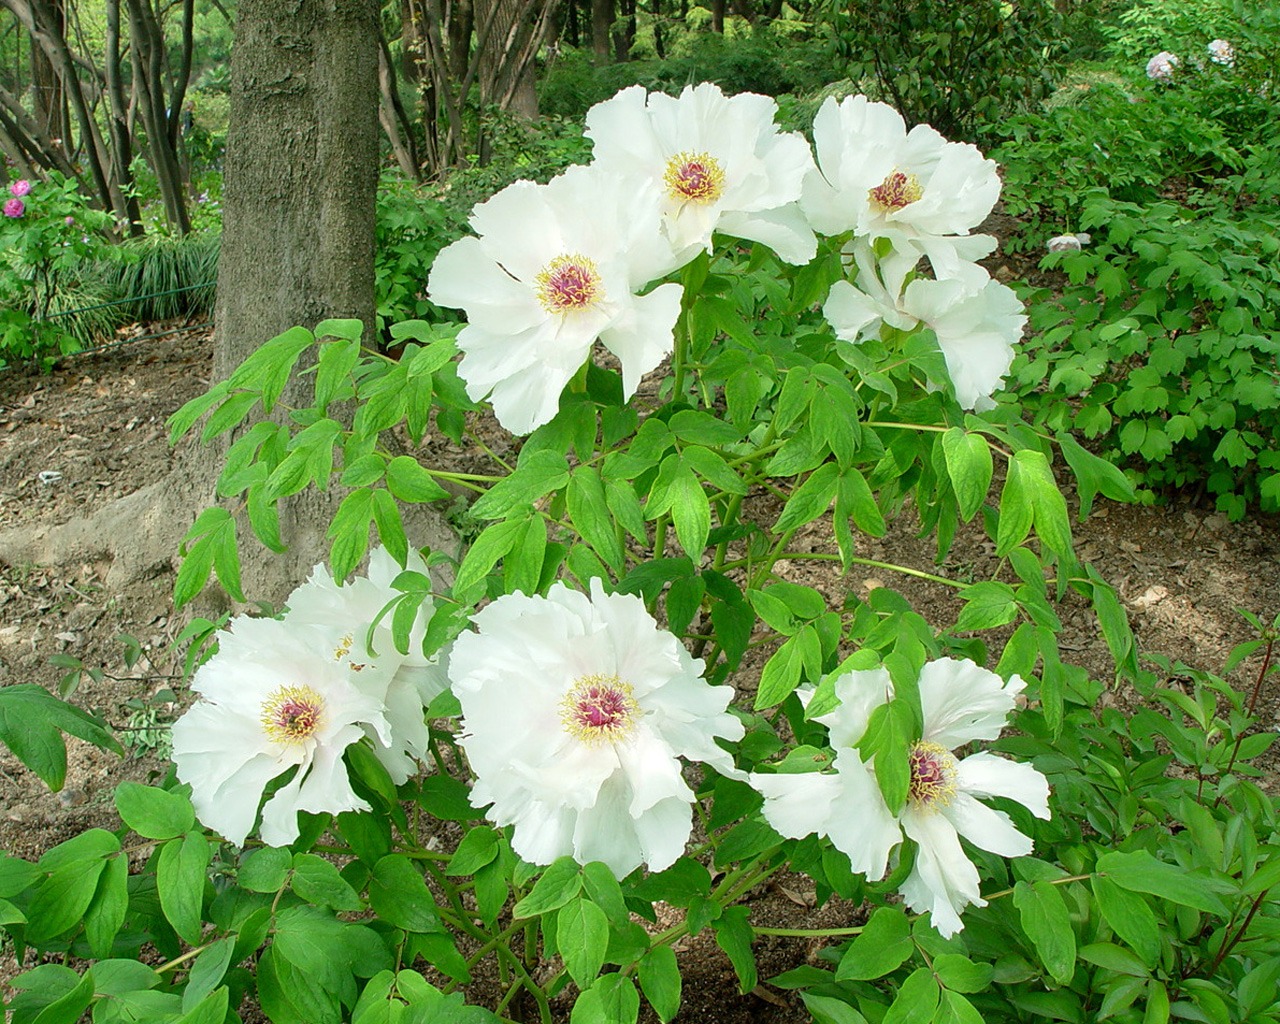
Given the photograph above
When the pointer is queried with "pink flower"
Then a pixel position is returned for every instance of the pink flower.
(70, 220)
(20, 188)
(14, 208)
(1160, 67)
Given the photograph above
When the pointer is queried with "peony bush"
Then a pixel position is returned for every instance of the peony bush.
(616, 693)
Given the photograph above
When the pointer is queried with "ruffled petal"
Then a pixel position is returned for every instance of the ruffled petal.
(963, 702)
(985, 774)
(986, 828)
(943, 881)
(644, 335)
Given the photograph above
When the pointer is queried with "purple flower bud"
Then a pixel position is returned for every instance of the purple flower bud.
(70, 220)
(20, 188)
(14, 208)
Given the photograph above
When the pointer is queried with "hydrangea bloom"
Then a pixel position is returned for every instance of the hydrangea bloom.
(878, 180)
(962, 703)
(717, 163)
(576, 711)
(554, 268)
(1222, 52)
(20, 188)
(1160, 67)
(976, 327)
(272, 698)
(14, 208)
(404, 683)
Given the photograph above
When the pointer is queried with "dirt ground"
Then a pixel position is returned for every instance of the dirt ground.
(93, 430)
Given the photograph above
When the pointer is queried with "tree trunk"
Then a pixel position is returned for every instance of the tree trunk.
(601, 22)
(393, 117)
(148, 80)
(49, 97)
(506, 54)
(118, 122)
(297, 248)
(717, 16)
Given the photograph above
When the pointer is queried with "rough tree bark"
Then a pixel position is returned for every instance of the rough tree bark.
(297, 247)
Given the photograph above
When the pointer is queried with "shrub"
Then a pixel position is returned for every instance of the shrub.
(1164, 346)
(949, 63)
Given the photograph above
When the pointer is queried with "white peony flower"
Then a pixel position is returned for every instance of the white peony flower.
(717, 163)
(405, 684)
(555, 267)
(878, 180)
(962, 703)
(273, 698)
(1064, 243)
(976, 326)
(1222, 52)
(576, 711)
(1160, 67)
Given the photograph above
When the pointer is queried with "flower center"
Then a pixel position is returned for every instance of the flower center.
(933, 775)
(569, 282)
(694, 178)
(292, 713)
(599, 708)
(896, 192)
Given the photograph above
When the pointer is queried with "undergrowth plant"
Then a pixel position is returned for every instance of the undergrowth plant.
(48, 230)
(401, 778)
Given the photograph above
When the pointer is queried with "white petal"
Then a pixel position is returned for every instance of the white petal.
(643, 336)
(943, 881)
(860, 693)
(861, 823)
(985, 774)
(463, 277)
(987, 829)
(782, 228)
(797, 805)
(963, 702)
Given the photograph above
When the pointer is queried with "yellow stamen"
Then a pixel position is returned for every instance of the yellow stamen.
(896, 192)
(599, 708)
(569, 283)
(292, 714)
(694, 178)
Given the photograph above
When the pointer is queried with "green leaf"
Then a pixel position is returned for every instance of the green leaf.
(782, 671)
(1094, 475)
(884, 946)
(690, 511)
(478, 848)
(212, 1009)
(589, 513)
(539, 474)
(660, 981)
(106, 913)
(399, 895)
(811, 499)
(855, 500)
(1114, 958)
(317, 881)
(1047, 924)
(409, 481)
(154, 813)
(734, 935)
(917, 999)
(605, 892)
(987, 605)
(611, 1000)
(180, 879)
(968, 459)
(960, 974)
(560, 883)
(1139, 871)
(337, 360)
(1053, 525)
(888, 736)
(265, 869)
(61, 901)
(349, 532)
(829, 1010)
(491, 545)
(207, 971)
(1017, 509)
(68, 1008)
(31, 723)
(582, 935)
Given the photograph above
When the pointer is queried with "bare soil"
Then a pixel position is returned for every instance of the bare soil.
(97, 425)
